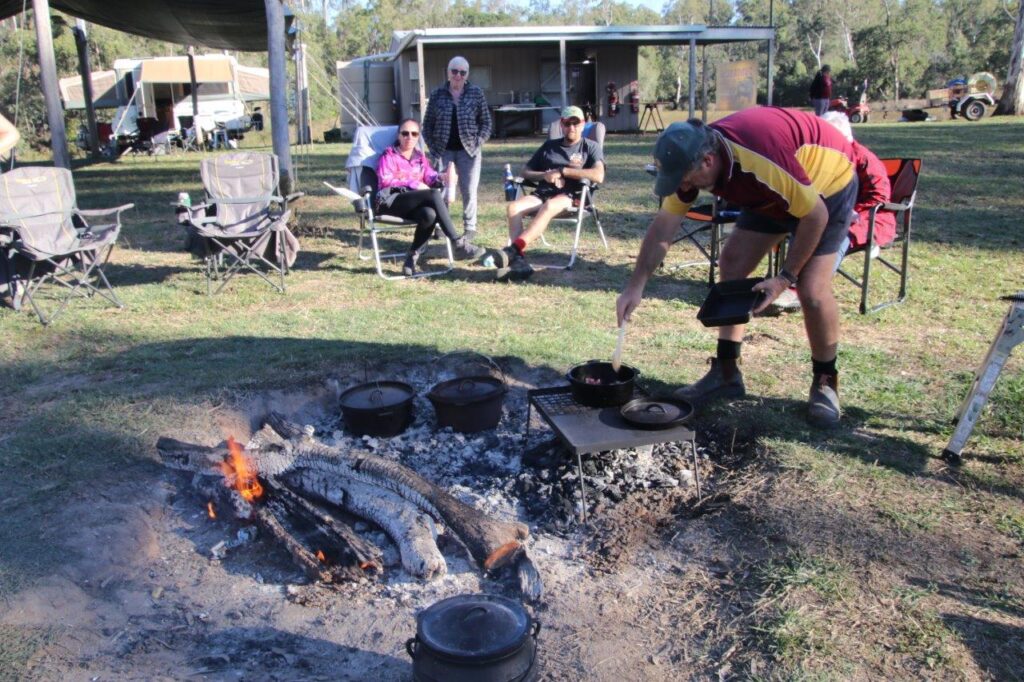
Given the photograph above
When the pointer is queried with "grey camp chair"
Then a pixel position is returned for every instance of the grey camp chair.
(368, 143)
(49, 242)
(243, 224)
(583, 210)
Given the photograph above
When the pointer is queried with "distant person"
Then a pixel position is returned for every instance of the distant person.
(455, 126)
(874, 189)
(821, 90)
(408, 187)
(9, 137)
(557, 168)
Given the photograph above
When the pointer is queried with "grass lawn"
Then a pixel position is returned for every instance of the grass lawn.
(854, 554)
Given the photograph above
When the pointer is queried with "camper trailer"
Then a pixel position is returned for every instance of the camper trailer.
(153, 96)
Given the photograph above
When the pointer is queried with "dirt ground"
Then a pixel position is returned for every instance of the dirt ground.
(659, 586)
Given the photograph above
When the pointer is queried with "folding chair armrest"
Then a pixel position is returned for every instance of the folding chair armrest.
(96, 212)
(281, 221)
(294, 195)
(898, 208)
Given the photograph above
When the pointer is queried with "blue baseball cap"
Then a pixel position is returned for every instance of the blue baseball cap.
(676, 153)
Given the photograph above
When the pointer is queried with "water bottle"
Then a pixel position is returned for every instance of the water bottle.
(510, 184)
(184, 200)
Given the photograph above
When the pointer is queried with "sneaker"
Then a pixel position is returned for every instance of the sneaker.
(876, 250)
(503, 257)
(712, 386)
(467, 250)
(517, 271)
(787, 300)
(409, 266)
(823, 405)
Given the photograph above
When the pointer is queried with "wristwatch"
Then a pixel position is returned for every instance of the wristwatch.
(788, 276)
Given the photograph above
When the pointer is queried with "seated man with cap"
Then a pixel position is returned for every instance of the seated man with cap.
(557, 168)
(790, 173)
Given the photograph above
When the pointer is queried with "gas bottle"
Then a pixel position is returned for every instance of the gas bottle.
(510, 184)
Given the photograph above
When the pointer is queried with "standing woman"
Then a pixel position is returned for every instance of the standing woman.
(455, 126)
(409, 188)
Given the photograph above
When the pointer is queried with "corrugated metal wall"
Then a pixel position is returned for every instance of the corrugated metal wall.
(504, 70)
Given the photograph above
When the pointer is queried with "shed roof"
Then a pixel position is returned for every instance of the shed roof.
(637, 35)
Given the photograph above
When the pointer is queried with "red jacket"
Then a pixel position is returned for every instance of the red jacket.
(874, 189)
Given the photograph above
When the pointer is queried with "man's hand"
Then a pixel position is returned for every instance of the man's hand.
(772, 289)
(626, 303)
(555, 177)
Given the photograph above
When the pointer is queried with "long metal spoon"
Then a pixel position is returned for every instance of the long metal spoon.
(617, 355)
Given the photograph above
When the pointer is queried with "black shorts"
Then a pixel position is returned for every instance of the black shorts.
(545, 192)
(839, 206)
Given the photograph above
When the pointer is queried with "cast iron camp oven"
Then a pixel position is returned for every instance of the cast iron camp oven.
(596, 383)
(468, 404)
(381, 408)
(656, 413)
(475, 638)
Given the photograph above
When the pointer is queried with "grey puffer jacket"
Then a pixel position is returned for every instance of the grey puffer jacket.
(474, 119)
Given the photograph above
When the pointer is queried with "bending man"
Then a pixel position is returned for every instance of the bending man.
(789, 172)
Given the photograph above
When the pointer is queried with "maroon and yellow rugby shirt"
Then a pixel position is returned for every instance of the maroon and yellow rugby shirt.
(777, 163)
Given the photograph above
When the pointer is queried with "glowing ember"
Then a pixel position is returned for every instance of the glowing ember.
(320, 556)
(210, 510)
(241, 473)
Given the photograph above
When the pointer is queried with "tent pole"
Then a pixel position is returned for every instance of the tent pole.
(195, 95)
(421, 71)
(278, 88)
(561, 68)
(82, 43)
(771, 68)
(48, 80)
(306, 118)
(693, 77)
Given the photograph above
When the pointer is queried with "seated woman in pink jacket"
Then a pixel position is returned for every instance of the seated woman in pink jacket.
(407, 187)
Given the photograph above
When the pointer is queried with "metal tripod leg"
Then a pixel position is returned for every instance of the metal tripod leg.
(1011, 334)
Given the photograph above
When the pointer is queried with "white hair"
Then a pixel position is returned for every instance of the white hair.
(841, 123)
(458, 63)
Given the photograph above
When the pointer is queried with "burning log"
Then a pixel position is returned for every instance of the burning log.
(389, 494)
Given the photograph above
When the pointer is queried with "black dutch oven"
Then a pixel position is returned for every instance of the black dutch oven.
(468, 404)
(475, 638)
(598, 384)
(382, 408)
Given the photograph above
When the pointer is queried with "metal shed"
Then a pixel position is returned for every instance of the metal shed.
(523, 69)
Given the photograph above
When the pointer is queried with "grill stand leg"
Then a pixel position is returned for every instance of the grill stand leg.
(583, 486)
(696, 470)
(1011, 334)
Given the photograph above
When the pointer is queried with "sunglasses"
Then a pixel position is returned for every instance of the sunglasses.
(409, 133)
(570, 122)
(459, 72)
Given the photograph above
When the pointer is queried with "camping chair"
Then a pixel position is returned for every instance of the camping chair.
(49, 241)
(713, 219)
(585, 208)
(368, 144)
(903, 175)
(243, 223)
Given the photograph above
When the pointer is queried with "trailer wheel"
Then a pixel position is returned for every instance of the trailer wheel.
(974, 110)
(855, 117)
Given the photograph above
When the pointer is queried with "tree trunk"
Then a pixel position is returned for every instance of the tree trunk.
(1012, 101)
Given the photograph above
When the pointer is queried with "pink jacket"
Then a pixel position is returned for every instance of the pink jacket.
(394, 170)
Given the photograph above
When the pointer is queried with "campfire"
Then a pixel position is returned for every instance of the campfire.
(299, 492)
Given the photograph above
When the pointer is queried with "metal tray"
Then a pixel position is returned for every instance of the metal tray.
(730, 302)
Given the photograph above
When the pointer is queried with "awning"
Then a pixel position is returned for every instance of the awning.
(104, 94)
(253, 83)
(213, 69)
(219, 24)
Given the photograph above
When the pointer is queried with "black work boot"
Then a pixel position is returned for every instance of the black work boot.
(517, 270)
(823, 404)
(723, 380)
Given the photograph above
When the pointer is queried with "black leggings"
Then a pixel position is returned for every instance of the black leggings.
(427, 208)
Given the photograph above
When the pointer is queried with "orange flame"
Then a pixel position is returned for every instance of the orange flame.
(211, 511)
(241, 473)
(320, 556)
